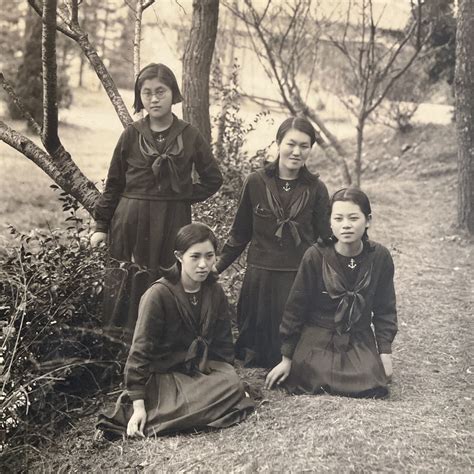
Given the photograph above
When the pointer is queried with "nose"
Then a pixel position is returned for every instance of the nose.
(346, 224)
(202, 263)
(296, 151)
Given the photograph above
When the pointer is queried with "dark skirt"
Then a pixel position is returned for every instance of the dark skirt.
(259, 312)
(347, 364)
(176, 402)
(141, 242)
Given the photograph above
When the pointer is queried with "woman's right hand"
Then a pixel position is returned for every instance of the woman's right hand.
(98, 238)
(279, 373)
(136, 424)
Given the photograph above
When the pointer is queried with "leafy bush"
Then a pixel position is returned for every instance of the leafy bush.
(50, 342)
(235, 163)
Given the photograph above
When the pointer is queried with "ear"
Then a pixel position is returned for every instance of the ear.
(179, 256)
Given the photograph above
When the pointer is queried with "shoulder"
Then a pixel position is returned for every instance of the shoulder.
(381, 253)
(315, 253)
(158, 289)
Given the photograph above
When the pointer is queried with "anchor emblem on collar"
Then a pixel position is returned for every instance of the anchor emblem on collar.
(287, 187)
(352, 264)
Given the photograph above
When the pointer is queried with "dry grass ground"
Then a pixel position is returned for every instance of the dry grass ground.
(425, 425)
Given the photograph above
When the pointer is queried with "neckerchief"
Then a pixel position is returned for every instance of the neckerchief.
(351, 300)
(163, 163)
(295, 208)
(197, 355)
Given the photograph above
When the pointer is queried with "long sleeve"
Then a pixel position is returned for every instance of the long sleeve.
(297, 304)
(321, 212)
(222, 344)
(241, 231)
(210, 177)
(384, 308)
(149, 328)
(114, 185)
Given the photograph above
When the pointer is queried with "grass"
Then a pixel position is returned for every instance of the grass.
(425, 425)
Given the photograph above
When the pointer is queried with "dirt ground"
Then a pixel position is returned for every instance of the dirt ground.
(425, 425)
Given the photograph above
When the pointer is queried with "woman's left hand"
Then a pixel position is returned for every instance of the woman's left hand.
(387, 365)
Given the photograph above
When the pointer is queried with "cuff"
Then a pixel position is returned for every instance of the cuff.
(137, 394)
(385, 347)
(288, 349)
(101, 226)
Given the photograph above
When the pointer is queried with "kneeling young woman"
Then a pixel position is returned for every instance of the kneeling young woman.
(341, 289)
(178, 375)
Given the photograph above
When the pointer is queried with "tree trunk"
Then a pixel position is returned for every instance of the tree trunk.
(464, 90)
(197, 65)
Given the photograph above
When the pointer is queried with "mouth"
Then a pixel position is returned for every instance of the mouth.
(347, 234)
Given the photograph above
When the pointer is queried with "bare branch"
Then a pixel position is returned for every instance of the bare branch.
(18, 102)
(63, 29)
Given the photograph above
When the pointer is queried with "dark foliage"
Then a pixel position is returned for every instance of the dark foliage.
(52, 351)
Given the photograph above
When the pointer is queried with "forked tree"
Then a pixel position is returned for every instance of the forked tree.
(54, 159)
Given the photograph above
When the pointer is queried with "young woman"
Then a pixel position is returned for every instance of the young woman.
(148, 194)
(340, 290)
(283, 209)
(178, 375)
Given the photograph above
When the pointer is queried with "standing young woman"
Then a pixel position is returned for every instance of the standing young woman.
(283, 209)
(148, 195)
(341, 289)
(179, 375)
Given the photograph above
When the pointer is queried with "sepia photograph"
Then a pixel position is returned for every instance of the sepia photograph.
(236, 236)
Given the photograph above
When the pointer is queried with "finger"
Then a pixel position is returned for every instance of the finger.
(140, 433)
(282, 378)
(142, 426)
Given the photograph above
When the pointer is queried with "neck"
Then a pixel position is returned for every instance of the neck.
(162, 123)
(285, 173)
(189, 285)
(349, 250)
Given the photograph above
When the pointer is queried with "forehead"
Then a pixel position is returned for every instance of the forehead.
(201, 247)
(153, 83)
(346, 207)
(297, 136)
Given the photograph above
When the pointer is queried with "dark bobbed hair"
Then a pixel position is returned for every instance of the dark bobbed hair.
(161, 72)
(296, 123)
(358, 197)
(186, 237)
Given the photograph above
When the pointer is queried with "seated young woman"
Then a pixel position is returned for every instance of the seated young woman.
(340, 291)
(179, 374)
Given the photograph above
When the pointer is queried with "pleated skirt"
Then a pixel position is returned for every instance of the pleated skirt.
(141, 242)
(176, 402)
(347, 364)
(259, 312)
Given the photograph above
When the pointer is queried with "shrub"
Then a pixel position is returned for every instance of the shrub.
(50, 292)
(235, 163)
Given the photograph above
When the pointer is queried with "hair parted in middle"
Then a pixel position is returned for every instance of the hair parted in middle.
(161, 72)
(187, 236)
(296, 123)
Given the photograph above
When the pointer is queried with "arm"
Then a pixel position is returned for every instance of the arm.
(297, 304)
(384, 308)
(321, 213)
(222, 344)
(210, 177)
(146, 339)
(240, 232)
(114, 185)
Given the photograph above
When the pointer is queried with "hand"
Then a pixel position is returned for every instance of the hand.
(279, 373)
(98, 238)
(137, 422)
(387, 365)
